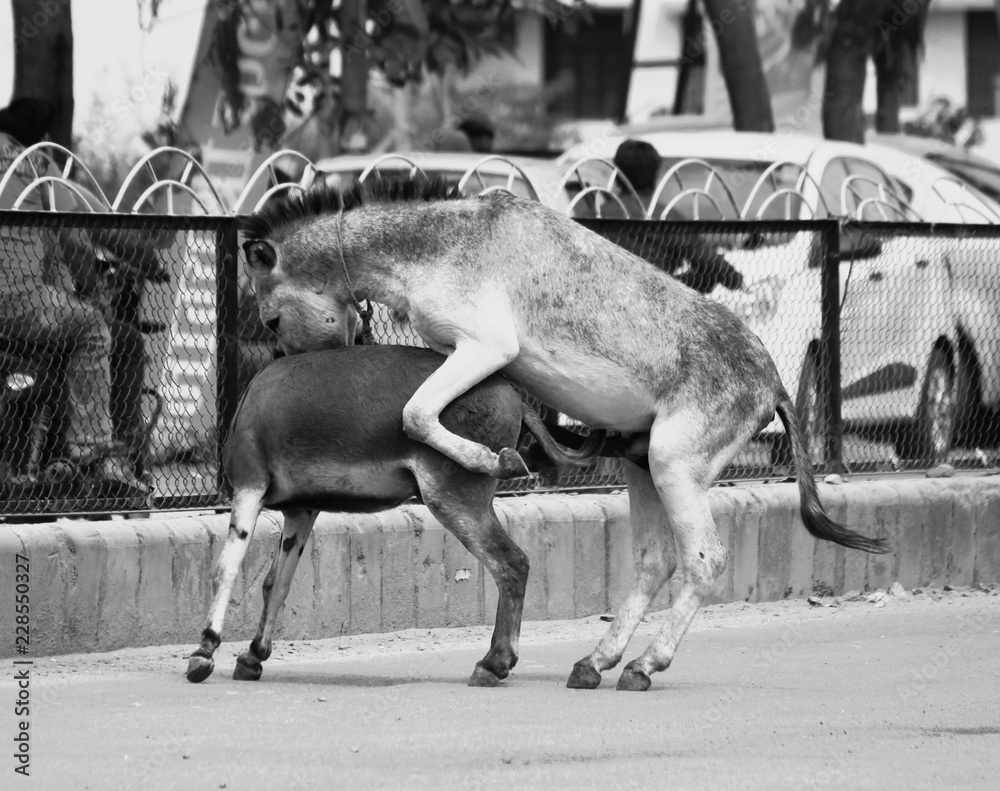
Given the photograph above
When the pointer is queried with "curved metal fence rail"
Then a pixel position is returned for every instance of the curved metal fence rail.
(166, 171)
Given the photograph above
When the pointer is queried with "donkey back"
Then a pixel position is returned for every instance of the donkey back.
(325, 428)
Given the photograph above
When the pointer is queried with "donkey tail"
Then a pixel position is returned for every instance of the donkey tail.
(815, 518)
(588, 451)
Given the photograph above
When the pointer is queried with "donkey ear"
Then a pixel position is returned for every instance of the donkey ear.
(260, 255)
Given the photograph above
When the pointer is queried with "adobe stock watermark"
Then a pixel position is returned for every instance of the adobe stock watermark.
(760, 663)
(898, 16)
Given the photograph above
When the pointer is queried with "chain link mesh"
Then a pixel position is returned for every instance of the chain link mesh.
(768, 274)
(920, 345)
(113, 382)
(126, 340)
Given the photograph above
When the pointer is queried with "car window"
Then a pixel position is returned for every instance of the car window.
(875, 193)
(866, 183)
(902, 189)
(850, 185)
(829, 187)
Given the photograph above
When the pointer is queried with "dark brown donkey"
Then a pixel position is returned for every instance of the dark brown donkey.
(324, 432)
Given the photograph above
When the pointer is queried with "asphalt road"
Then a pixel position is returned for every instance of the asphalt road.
(775, 696)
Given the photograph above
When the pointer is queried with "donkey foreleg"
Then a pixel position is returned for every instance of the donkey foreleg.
(652, 548)
(465, 367)
(246, 508)
(294, 535)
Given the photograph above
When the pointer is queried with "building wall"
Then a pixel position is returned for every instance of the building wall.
(942, 70)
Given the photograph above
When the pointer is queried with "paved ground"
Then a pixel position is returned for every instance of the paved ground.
(904, 695)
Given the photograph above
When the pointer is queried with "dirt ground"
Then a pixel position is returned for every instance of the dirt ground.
(896, 692)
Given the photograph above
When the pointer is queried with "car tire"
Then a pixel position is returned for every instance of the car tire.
(811, 408)
(929, 439)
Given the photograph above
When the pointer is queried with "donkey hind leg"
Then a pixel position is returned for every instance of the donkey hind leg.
(652, 547)
(682, 480)
(294, 535)
(247, 504)
(465, 367)
(463, 503)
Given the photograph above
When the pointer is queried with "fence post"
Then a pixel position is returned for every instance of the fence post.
(227, 339)
(830, 341)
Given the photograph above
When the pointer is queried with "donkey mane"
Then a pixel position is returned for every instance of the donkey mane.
(296, 205)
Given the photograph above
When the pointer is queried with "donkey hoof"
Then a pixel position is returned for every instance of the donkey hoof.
(512, 465)
(248, 668)
(633, 680)
(199, 668)
(483, 677)
(584, 676)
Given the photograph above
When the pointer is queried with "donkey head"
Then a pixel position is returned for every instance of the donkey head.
(302, 243)
(301, 296)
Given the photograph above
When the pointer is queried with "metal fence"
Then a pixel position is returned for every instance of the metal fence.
(919, 355)
(887, 336)
(117, 362)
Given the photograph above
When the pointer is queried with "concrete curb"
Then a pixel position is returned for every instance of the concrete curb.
(97, 586)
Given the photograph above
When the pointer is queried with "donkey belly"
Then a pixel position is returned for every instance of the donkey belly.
(332, 485)
(596, 391)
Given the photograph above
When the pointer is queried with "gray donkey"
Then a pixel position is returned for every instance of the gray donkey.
(498, 283)
(324, 432)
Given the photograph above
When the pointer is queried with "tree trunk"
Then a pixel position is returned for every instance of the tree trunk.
(354, 78)
(853, 41)
(43, 60)
(898, 44)
(689, 97)
(890, 74)
(742, 69)
(631, 21)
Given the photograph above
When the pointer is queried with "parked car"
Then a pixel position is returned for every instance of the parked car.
(899, 338)
(956, 186)
(934, 179)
